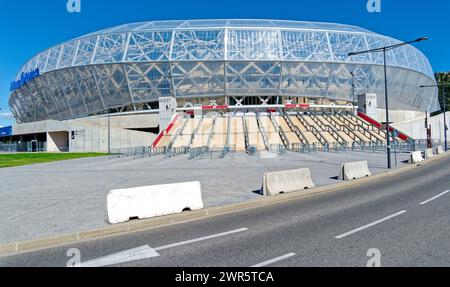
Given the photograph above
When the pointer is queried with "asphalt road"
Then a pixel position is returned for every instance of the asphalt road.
(406, 218)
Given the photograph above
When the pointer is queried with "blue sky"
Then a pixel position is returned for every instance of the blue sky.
(28, 27)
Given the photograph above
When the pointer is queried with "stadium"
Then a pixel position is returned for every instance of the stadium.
(217, 84)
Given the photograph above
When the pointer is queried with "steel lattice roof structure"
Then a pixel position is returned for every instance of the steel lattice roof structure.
(129, 66)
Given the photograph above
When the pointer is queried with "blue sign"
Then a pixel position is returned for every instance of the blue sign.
(6, 131)
(24, 78)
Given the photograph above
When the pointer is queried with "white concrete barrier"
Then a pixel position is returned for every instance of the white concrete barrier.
(354, 170)
(429, 153)
(151, 201)
(415, 157)
(287, 181)
(439, 150)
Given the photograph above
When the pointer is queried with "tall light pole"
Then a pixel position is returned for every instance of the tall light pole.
(383, 50)
(353, 88)
(444, 110)
(109, 132)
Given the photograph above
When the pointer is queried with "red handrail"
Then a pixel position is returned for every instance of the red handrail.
(378, 125)
(165, 131)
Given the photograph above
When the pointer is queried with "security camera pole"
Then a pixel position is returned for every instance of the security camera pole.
(383, 50)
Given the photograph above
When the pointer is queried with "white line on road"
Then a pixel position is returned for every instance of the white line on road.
(136, 254)
(145, 252)
(200, 239)
(271, 261)
(369, 225)
(434, 197)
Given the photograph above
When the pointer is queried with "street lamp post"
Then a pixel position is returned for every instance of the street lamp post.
(444, 110)
(109, 132)
(353, 89)
(384, 50)
(445, 119)
(388, 122)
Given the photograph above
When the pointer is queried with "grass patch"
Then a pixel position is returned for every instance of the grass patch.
(21, 159)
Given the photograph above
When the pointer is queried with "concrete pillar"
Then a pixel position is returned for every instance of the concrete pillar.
(167, 108)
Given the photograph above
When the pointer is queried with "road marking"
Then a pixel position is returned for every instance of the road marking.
(145, 252)
(200, 239)
(369, 225)
(135, 254)
(434, 197)
(271, 261)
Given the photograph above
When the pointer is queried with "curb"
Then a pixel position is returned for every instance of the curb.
(141, 225)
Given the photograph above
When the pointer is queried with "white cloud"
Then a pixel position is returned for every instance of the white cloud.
(6, 115)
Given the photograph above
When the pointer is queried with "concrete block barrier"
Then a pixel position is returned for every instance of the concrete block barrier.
(151, 201)
(415, 157)
(287, 181)
(429, 153)
(354, 170)
(439, 150)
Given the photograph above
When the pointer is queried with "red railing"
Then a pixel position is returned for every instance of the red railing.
(379, 125)
(165, 131)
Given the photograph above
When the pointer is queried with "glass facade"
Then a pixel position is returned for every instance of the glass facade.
(137, 63)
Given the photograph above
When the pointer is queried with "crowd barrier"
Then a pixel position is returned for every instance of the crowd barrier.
(151, 201)
(354, 170)
(286, 181)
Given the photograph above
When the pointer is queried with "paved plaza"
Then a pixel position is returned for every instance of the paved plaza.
(46, 200)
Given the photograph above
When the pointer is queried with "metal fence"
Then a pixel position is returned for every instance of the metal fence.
(141, 152)
(355, 146)
(278, 148)
(24, 147)
(252, 150)
(135, 152)
(210, 153)
(205, 152)
(200, 152)
(8, 147)
(174, 151)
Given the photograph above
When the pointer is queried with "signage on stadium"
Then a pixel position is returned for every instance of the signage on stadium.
(5, 131)
(24, 78)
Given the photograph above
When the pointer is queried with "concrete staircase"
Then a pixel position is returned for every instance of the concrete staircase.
(268, 131)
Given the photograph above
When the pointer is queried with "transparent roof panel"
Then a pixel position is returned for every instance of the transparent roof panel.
(203, 23)
(222, 23)
(294, 24)
(250, 23)
(150, 40)
(129, 27)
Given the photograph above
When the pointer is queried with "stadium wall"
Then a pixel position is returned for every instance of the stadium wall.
(416, 128)
(83, 137)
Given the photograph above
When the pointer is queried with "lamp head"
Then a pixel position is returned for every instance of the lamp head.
(422, 39)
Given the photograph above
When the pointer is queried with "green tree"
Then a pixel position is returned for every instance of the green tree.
(443, 78)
